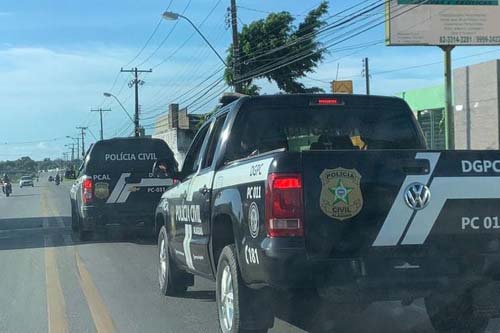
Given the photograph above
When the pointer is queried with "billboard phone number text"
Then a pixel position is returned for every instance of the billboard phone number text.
(452, 40)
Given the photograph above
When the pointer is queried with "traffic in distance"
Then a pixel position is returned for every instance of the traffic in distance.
(335, 195)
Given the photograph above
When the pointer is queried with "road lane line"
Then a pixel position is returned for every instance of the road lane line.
(100, 314)
(56, 306)
(98, 310)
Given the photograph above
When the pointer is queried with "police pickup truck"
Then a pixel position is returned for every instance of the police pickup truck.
(337, 194)
(120, 183)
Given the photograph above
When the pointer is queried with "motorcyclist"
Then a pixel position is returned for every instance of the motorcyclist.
(58, 179)
(5, 181)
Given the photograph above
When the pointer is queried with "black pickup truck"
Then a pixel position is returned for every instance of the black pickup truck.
(337, 194)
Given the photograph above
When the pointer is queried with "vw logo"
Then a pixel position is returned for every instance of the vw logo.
(417, 196)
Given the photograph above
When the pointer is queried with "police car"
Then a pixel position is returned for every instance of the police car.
(120, 183)
(337, 194)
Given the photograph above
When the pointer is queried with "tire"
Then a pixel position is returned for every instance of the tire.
(172, 280)
(454, 313)
(84, 235)
(74, 219)
(7, 194)
(239, 308)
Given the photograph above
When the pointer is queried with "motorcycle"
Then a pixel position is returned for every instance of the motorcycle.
(7, 189)
(57, 181)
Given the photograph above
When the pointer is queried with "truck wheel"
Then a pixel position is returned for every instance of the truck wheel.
(239, 308)
(74, 219)
(454, 313)
(84, 235)
(172, 280)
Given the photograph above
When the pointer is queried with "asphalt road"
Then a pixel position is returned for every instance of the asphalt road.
(50, 282)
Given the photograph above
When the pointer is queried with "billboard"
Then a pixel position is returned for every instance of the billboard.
(342, 87)
(443, 22)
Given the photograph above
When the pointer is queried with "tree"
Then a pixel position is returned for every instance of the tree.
(275, 31)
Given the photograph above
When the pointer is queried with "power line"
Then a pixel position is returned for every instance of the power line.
(187, 79)
(302, 55)
(364, 12)
(189, 38)
(360, 13)
(164, 39)
(20, 143)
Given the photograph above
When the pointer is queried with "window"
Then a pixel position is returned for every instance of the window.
(193, 156)
(260, 130)
(214, 139)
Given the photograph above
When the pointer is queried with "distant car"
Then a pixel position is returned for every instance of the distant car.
(26, 181)
(51, 179)
(70, 174)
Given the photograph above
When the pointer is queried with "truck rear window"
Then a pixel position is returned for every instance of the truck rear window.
(322, 128)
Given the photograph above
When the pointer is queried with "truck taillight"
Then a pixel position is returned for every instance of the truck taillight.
(284, 207)
(87, 190)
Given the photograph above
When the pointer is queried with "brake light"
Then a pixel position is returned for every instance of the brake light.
(329, 101)
(284, 208)
(87, 191)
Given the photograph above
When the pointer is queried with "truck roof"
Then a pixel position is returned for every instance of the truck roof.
(304, 100)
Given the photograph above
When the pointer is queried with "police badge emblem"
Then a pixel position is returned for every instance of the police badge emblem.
(341, 196)
(101, 190)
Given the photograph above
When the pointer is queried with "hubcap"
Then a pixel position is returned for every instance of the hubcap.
(226, 299)
(163, 262)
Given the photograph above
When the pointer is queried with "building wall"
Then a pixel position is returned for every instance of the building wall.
(428, 106)
(174, 129)
(476, 107)
(476, 91)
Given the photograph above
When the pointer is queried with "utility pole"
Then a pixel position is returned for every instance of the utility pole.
(366, 73)
(449, 127)
(100, 110)
(72, 147)
(77, 147)
(83, 139)
(236, 48)
(136, 82)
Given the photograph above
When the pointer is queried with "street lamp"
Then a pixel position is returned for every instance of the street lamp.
(106, 94)
(170, 16)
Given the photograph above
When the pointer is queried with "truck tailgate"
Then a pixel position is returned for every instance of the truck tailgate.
(360, 203)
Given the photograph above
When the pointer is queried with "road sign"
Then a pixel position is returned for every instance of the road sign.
(342, 87)
(443, 22)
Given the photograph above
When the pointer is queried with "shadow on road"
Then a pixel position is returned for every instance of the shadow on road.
(25, 233)
(25, 195)
(203, 295)
(311, 313)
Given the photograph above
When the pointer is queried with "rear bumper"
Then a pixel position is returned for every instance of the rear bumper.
(96, 217)
(282, 265)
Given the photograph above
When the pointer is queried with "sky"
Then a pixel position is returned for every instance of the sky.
(57, 58)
